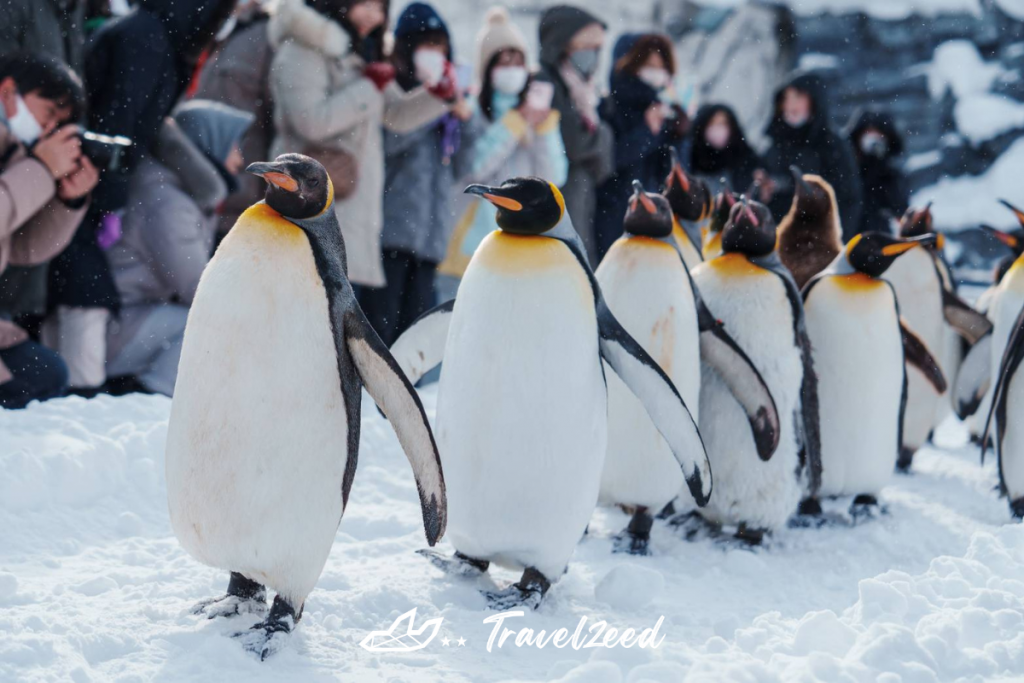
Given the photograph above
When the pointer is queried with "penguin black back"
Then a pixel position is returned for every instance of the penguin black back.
(750, 230)
(526, 206)
(297, 186)
(689, 198)
(721, 209)
(648, 214)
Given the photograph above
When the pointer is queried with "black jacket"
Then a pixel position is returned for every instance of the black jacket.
(884, 191)
(136, 69)
(815, 148)
(735, 164)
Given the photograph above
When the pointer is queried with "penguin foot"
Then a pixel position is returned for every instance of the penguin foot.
(244, 596)
(694, 527)
(637, 536)
(456, 565)
(750, 536)
(904, 461)
(809, 515)
(1017, 509)
(865, 507)
(268, 636)
(528, 592)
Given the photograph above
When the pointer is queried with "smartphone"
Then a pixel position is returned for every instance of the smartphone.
(539, 95)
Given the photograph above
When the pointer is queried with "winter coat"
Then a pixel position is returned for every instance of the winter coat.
(50, 27)
(639, 153)
(815, 148)
(136, 70)
(35, 225)
(238, 74)
(735, 164)
(590, 152)
(169, 225)
(507, 148)
(321, 97)
(884, 191)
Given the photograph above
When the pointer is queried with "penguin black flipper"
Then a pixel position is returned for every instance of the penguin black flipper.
(809, 422)
(420, 348)
(974, 378)
(394, 394)
(1008, 366)
(967, 322)
(731, 363)
(916, 353)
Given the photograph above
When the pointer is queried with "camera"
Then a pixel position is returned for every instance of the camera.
(106, 152)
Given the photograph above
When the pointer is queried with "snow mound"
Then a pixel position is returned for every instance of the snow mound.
(629, 586)
(958, 66)
(981, 117)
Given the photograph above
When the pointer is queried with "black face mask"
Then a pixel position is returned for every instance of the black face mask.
(585, 62)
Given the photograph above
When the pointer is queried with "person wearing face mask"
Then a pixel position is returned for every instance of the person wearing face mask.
(521, 135)
(45, 183)
(802, 135)
(571, 40)
(877, 144)
(420, 167)
(719, 153)
(167, 239)
(645, 127)
(334, 89)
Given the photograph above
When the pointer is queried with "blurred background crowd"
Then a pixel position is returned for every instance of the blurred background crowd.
(125, 128)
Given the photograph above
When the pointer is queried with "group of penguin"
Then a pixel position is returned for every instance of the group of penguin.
(707, 342)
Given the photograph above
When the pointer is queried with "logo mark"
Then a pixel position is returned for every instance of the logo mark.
(401, 636)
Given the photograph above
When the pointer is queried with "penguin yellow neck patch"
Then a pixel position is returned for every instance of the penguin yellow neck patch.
(682, 239)
(263, 218)
(508, 254)
(735, 265)
(857, 282)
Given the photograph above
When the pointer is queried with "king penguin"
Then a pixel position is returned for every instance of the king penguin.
(924, 289)
(522, 406)
(860, 348)
(755, 297)
(690, 200)
(810, 237)
(648, 288)
(264, 429)
(720, 209)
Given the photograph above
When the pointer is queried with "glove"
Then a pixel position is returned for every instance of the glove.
(381, 73)
(445, 89)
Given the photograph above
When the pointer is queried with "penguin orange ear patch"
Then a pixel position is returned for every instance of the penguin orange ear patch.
(284, 181)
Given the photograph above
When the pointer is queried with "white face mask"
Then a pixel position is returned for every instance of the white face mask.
(429, 66)
(654, 77)
(874, 144)
(717, 136)
(795, 120)
(23, 124)
(509, 80)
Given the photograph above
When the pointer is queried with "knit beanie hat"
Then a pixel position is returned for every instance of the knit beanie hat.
(498, 33)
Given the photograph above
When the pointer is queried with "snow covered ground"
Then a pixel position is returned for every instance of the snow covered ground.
(94, 587)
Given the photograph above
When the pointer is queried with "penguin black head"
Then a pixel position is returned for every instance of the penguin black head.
(526, 206)
(689, 198)
(918, 222)
(872, 253)
(648, 215)
(297, 186)
(721, 208)
(750, 230)
(813, 197)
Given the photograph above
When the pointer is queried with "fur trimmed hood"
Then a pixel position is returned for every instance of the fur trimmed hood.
(294, 20)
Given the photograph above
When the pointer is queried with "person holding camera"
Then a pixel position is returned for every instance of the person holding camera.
(45, 182)
(877, 146)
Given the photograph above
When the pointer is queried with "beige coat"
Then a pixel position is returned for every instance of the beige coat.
(35, 226)
(321, 97)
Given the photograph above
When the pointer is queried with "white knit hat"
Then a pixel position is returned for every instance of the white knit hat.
(498, 33)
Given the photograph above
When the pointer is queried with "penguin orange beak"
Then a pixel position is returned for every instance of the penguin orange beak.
(1016, 212)
(490, 194)
(641, 196)
(898, 248)
(677, 174)
(272, 174)
(1006, 238)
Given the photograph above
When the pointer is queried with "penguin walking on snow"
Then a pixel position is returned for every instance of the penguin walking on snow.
(860, 347)
(924, 290)
(522, 408)
(721, 208)
(810, 236)
(264, 429)
(755, 297)
(690, 200)
(648, 288)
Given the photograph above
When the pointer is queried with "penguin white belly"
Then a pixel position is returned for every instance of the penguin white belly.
(753, 304)
(919, 293)
(858, 355)
(986, 305)
(1005, 309)
(256, 445)
(645, 286)
(522, 405)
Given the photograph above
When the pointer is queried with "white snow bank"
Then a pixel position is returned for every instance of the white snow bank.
(968, 201)
(957, 65)
(1014, 8)
(983, 116)
(94, 587)
(884, 9)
